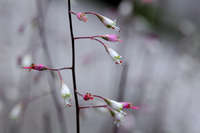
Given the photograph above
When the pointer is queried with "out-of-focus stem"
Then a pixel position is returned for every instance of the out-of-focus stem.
(60, 113)
(73, 69)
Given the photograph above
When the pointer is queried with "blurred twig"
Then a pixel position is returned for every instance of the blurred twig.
(47, 122)
(51, 80)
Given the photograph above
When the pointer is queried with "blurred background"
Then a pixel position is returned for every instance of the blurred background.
(160, 73)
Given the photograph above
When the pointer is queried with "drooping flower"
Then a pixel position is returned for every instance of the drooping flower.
(38, 67)
(117, 116)
(108, 22)
(16, 111)
(115, 56)
(81, 16)
(66, 94)
(88, 96)
(119, 106)
(111, 37)
(114, 104)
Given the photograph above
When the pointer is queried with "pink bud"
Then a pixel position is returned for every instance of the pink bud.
(38, 67)
(127, 105)
(112, 38)
(81, 16)
(88, 96)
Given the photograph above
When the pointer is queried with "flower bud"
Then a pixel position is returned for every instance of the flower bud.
(81, 16)
(66, 94)
(127, 105)
(38, 67)
(88, 96)
(111, 37)
(16, 111)
(115, 56)
(108, 22)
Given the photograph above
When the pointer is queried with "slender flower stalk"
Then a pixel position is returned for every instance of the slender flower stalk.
(107, 37)
(106, 21)
(90, 106)
(114, 55)
(73, 69)
(41, 67)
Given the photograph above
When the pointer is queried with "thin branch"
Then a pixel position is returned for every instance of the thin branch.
(73, 69)
(59, 69)
(91, 106)
(92, 38)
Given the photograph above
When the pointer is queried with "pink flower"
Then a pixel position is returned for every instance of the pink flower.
(38, 67)
(111, 37)
(127, 105)
(81, 16)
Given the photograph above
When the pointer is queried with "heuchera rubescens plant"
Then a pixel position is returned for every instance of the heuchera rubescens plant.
(115, 108)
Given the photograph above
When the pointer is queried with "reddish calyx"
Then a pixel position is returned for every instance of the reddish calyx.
(38, 67)
(88, 96)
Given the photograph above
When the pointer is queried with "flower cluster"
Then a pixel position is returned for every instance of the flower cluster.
(116, 109)
(108, 37)
(109, 23)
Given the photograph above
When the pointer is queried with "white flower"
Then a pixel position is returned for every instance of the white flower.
(27, 60)
(114, 104)
(66, 94)
(16, 111)
(108, 22)
(118, 116)
(115, 56)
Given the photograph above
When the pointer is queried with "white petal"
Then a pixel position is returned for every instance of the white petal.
(112, 52)
(16, 111)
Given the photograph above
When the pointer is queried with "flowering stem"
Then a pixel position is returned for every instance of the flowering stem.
(92, 13)
(87, 37)
(59, 69)
(73, 69)
(100, 97)
(92, 38)
(90, 106)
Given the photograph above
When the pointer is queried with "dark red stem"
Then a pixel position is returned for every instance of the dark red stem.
(73, 69)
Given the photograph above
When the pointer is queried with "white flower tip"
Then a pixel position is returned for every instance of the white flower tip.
(65, 91)
(66, 95)
(27, 60)
(16, 112)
